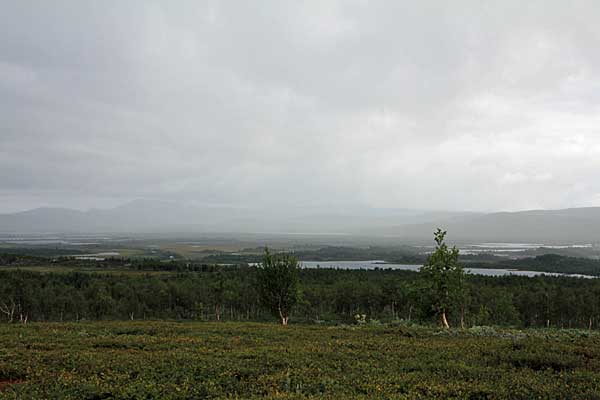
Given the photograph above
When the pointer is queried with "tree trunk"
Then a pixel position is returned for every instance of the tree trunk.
(444, 321)
(9, 310)
(218, 312)
(283, 318)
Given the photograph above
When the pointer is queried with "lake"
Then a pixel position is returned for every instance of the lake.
(372, 264)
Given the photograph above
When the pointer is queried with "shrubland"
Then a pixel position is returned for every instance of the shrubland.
(193, 360)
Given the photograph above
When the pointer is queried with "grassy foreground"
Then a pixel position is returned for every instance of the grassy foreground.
(170, 360)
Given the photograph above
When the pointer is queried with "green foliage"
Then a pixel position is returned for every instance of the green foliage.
(328, 295)
(547, 263)
(277, 277)
(445, 276)
(170, 360)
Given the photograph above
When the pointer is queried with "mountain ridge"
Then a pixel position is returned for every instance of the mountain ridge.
(149, 216)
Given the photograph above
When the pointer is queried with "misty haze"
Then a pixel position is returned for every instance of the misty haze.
(317, 199)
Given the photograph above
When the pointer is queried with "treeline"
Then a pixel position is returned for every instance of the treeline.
(230, 293)
(543, 263)
(547, 263)
(402, 255)
(109, 263)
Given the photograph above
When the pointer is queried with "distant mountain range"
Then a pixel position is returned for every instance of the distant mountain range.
(575, 225)
(572, 225)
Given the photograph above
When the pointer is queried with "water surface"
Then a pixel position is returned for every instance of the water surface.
(372, 264)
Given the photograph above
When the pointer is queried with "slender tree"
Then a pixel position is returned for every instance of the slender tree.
(278, 284)
(217, 291)
(444, 276)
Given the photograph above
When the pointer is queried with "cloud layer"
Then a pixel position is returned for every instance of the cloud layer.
(457, 105)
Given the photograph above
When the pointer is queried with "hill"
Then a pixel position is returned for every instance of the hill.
(574, 225)
(149, 216)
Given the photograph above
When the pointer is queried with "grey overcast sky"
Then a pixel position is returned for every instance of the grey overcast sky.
(458, 105)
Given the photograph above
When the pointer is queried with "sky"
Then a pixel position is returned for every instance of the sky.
(462, 105)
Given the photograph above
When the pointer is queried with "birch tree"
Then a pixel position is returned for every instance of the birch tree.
(278, 284)
(445, 277)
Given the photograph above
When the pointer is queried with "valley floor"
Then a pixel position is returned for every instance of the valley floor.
(171, 360)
